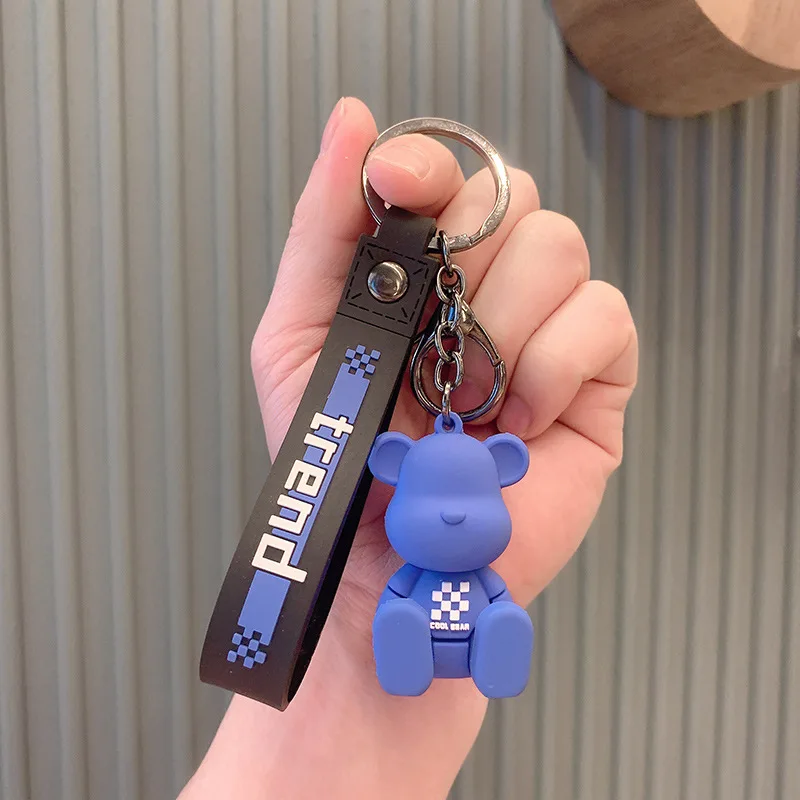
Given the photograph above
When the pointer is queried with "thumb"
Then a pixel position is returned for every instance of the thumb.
(328, 219)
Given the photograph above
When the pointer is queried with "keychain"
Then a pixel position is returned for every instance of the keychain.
(445, 613)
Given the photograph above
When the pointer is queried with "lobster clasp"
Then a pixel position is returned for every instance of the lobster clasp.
(460, 321)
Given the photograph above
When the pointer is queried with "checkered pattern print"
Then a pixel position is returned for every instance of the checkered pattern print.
(249, 647)
(450, 602)
(360, 360)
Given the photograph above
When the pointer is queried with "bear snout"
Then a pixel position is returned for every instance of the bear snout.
(453, 517)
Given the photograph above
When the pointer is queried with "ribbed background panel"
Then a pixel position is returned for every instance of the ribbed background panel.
(150, 157)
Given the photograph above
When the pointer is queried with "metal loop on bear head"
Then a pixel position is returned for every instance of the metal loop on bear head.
(440, 425)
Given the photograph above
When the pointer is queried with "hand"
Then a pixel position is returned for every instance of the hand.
(570, 347)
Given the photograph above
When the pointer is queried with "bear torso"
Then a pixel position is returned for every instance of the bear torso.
(452, 601)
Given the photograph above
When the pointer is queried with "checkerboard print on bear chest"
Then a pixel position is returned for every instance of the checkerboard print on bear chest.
(452, 602)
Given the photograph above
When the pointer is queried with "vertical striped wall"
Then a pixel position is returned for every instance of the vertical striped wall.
(150, 154)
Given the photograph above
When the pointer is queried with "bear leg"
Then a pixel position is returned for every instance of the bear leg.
(401, 640)
(502, 646)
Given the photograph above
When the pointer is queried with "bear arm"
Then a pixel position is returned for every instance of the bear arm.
(495, 586)
(403, 581)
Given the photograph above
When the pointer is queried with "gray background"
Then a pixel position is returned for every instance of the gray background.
(150, 155)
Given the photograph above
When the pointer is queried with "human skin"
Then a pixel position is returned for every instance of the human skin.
(571, 352)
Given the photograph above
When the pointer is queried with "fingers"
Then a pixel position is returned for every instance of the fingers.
(422, 175)
(470, 207)
(574, 377)
(569, 481)
(415, 172)
(579, 367)
(543, 260)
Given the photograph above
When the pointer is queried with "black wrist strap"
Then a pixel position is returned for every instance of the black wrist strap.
(284, 574)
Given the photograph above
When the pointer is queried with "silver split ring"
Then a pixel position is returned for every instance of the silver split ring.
(435, 126)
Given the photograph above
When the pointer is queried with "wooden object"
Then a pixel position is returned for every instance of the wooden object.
(684, 57)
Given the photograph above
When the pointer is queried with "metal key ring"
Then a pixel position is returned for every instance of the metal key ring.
(435, 126)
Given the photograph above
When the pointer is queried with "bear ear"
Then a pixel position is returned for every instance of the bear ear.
(387, 455)
(510, 455)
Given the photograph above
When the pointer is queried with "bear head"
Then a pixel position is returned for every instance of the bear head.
(447, 513)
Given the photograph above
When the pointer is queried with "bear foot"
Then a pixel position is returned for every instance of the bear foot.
(403, 649)
(502, 646)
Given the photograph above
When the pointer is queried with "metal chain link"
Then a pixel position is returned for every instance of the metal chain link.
(451, 284)
(447, 332)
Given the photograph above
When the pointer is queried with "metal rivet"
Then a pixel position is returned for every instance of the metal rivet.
(387, 282)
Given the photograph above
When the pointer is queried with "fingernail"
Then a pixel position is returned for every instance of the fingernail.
(333, 123)
(515, 417)
(404, 156)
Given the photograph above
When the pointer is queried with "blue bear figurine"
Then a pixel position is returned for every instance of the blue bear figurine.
(446, 613)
